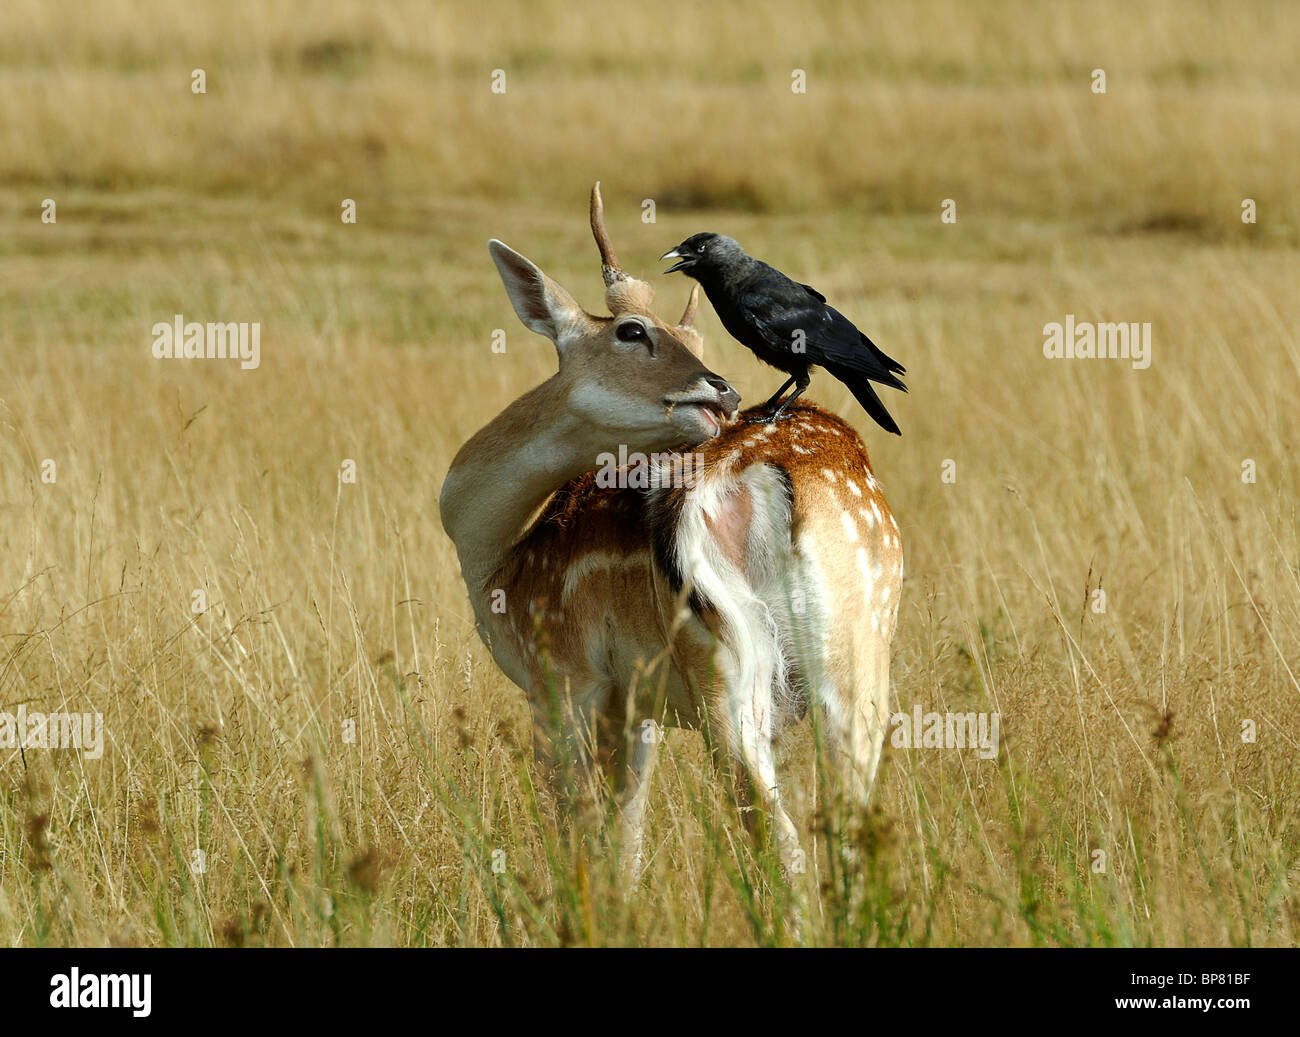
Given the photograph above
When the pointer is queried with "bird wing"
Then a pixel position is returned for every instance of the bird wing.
(831, 339)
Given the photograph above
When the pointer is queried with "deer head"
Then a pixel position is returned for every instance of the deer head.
(629, 376)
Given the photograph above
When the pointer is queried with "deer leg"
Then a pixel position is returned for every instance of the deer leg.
(749, 731)
(604, 751)
(868, 728)
(634, 797)
(862, 716)
(853, 696)
(566, 745)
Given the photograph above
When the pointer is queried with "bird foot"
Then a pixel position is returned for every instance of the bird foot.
(769, 419)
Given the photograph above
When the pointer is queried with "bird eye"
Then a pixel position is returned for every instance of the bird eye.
(701, 249)
(632, 331)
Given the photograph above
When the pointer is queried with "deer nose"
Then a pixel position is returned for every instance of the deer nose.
(727, 396)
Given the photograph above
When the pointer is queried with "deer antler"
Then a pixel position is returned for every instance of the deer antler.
(692, 304)
(609, 268)
(623, 292)
(685, 329)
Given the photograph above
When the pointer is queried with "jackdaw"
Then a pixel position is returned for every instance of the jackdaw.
(786, 324)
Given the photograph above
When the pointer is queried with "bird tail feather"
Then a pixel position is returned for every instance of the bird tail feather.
(891, 365)
(863, 392)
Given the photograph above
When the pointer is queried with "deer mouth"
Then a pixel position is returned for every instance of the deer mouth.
(710, 410)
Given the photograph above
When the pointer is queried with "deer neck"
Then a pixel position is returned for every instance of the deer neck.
(505, 473)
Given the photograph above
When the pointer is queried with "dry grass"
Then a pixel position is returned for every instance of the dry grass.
(331, 601)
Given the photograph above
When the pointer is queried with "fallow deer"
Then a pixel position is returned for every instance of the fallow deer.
(730, 605)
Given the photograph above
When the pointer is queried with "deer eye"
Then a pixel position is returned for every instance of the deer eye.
(632, 331)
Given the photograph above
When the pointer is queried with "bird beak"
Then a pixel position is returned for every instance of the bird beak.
(686, 261)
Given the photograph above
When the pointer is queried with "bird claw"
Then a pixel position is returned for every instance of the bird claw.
(769, 419)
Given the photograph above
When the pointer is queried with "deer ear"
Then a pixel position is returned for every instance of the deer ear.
(542, 305)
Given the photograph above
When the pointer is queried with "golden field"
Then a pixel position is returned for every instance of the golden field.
(329, 601)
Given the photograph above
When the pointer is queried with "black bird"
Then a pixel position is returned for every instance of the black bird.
(786, 324)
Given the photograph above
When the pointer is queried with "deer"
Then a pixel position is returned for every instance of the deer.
(768, 586)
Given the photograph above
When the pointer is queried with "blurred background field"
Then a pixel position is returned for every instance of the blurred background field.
(332, 601)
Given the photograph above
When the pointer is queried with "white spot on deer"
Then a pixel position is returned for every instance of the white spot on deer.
(853, 488)
(864, 567)
(830, 476)
(596, 562)
(850, 527)
(867, 518)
